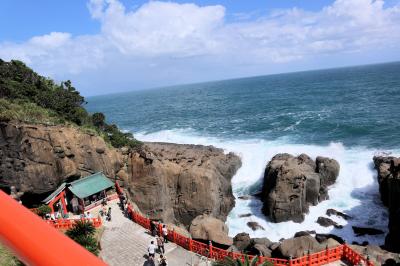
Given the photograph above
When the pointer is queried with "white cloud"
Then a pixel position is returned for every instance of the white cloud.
(166, 42)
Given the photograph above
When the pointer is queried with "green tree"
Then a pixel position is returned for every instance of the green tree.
(99, 120)
(83, 233)
(228, 261)
(42, 210)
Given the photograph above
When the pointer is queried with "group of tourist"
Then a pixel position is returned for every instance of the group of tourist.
(161, 238)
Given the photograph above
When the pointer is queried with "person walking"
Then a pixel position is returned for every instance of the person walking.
(109, 214)
(165, 233)
(162, 261)
(151, 250)
(160, 244)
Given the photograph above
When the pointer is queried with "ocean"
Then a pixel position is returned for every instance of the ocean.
(348, 114)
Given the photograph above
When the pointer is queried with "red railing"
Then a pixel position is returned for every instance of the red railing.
(319, 258)
(65, 224)
(35, 242)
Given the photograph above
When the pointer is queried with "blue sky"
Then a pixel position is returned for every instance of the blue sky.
(25, 19)
(106, 46)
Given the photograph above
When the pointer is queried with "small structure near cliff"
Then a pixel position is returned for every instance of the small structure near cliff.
(388, 168)
(291, 184)
(82, 194)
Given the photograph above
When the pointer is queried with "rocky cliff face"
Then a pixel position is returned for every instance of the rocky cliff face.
(176, 183)
(291, 184)
(169, 181)
(37, 159)
(389, 185)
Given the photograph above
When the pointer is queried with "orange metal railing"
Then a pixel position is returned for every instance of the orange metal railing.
(65, 224)
(35, 242)
(320, 258)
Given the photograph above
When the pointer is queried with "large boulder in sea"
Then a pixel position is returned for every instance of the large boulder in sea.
(388, 168)
(204, 227)
(292, 184)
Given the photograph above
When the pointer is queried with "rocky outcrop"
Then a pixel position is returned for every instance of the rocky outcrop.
(326, 222)
(377, 255)
(36, 159)
(177, 183)
(292, 184)
(362, 231)
(331, 212)
(255, 226)
(255, 246)
(171, 182)
(300, 246)
(389, 186)
(204, 227)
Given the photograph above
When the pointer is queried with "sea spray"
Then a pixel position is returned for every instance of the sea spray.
(355, 191)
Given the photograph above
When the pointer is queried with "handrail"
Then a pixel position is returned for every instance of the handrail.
(319, 258)
(35, 242)
(69, 223)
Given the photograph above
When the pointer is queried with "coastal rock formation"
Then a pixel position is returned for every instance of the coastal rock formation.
(36, 159)
(326, 222)
(171, 182)
(255, 246)
(177, 183)
(204, 227)
(291, 184)
(388, 168)
(330, 212)
(299, 246)
(361, 231)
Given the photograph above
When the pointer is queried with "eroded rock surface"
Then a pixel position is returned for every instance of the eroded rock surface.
(37, 159)
(388, 168)
(171, 182)
(205, 227)
(177, 183)
(292, 184)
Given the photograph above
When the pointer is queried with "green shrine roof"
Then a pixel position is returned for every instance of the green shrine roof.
(90, 185)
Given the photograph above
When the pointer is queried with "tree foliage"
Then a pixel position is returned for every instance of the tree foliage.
(83, 233)
(24, 90)
(42, 210)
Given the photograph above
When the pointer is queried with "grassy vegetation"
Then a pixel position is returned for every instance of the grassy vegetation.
(26, 96)
(27, 112)
(7, 258)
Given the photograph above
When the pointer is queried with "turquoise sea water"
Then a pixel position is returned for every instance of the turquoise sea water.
(349, 114)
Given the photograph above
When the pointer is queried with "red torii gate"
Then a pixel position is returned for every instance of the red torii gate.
(61, 197)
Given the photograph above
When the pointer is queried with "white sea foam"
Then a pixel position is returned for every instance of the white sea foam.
(355, 191)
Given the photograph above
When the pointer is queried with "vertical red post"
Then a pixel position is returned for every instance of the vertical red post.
(173, 236)
(210, 249)
(190, 244)
(64, 204)
(51, 207)
(309, 258)
(290, 261)
(327, 253)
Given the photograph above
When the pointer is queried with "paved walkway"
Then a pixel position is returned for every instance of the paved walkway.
(125, 243)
